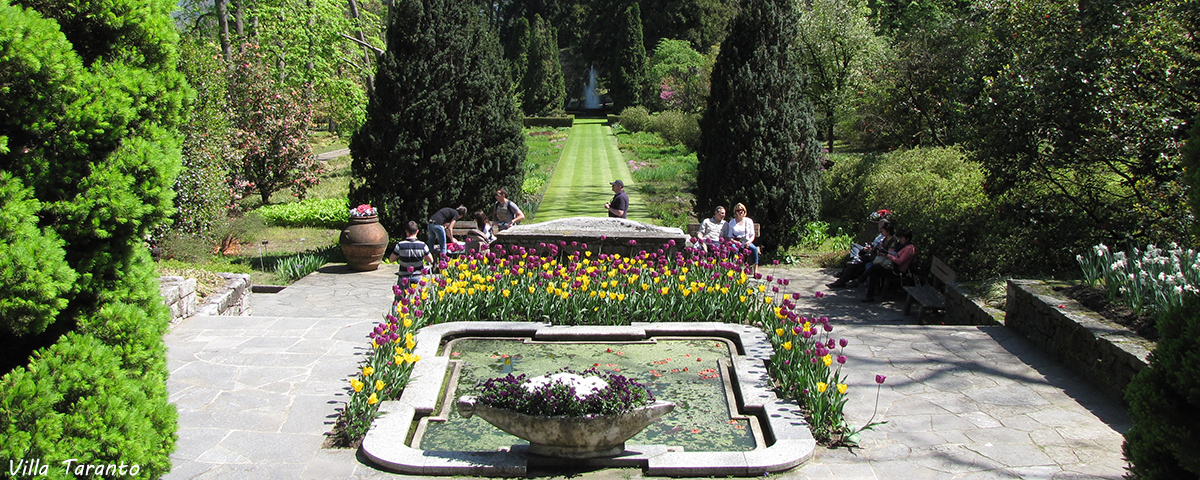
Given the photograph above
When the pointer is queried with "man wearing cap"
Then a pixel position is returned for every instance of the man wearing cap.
(620, 203)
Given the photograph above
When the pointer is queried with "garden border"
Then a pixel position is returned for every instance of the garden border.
(790, 441)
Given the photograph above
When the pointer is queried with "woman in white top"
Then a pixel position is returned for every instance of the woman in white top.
(740, 232)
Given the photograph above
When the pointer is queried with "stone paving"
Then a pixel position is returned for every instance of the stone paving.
(256, 394)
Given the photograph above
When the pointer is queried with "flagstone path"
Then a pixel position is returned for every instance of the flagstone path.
(255, 394)
(580, 184)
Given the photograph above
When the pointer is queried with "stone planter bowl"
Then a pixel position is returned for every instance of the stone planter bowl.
(589, 436)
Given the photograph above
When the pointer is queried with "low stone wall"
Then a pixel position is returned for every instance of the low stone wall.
(179, 294)
(1104, 352)
(961, 309)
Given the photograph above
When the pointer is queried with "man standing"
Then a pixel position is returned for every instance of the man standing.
(505, 211)
(619, 205)
(412, 253)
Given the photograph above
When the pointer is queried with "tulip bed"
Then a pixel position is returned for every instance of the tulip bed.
(567, 284)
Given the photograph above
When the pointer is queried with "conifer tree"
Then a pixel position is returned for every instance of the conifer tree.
(629, 79)
(542, 88)
(89, 150)
(517, 51)
(441, 127)
(758, 144)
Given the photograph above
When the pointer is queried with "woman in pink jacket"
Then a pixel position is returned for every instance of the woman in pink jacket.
(900, 257)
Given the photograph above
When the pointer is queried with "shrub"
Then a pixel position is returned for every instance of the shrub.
(184, 247)
(635, 119)
(34, 276)
(320, 213)
(1163, 399)
(567, 393)
(79, 390)
(677, 128)
(936, 192)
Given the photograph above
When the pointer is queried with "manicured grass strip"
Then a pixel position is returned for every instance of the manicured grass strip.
(579, 187)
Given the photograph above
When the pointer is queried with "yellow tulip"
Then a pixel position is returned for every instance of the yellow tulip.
(373, 344)
(725, 290)
(828, 359)
(379, 385)
(505, 293)
(821, 386)
(730, 274)
(409, 343)
(367, 371)
(766, 299)
(357, 385)
(683, 270)
(665, 290)
(398, 360)
(373, 399)
(620, 297)
(762, 288)
(645, 287)
(779, 332)
(743, 299)
(592, 294)
(787, 345)
(842, 388)
(407, 321)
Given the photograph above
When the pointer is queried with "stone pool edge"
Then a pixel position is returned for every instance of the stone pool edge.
(791, 441)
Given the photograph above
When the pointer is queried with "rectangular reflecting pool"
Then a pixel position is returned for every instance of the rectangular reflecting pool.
(692, 372)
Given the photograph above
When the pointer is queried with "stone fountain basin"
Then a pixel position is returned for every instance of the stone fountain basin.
(590, 436)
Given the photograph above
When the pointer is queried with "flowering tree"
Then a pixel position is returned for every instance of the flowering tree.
(270, 132)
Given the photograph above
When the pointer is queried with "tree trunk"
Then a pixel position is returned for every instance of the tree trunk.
(240, 24)
(223, 22)
(829, 129)
(368, 79)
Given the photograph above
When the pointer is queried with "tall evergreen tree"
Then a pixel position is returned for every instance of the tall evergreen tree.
(542, 90)
(441, 128)
(758, 144)
(629, 75)
(517, 51)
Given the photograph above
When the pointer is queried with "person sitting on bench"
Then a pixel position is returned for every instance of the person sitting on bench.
(895, 263)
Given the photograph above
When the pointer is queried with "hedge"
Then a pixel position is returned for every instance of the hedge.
(555, 122)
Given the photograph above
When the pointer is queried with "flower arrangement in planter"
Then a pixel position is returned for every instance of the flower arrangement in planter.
(565, 393)
(364, 210)
(566, 414)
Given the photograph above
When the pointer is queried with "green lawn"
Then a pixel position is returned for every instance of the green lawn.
(579, 187)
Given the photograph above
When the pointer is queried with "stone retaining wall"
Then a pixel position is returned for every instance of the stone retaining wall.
(1104, 352)
(179, 294)
(961, 309)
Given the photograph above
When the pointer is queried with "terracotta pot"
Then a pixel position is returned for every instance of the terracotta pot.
(364, 241)
(589, 436)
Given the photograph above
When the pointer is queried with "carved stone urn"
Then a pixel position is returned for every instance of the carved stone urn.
(589, 436)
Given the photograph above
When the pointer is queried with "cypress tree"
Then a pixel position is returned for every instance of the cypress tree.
(758, 144)
(518, 51)
(630, 69)
(542, 88)
(441, 127)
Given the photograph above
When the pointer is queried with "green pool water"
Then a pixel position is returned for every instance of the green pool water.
(683, 371)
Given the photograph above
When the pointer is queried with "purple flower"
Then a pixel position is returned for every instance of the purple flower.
(819, 294)
(879, 379)
(843, 342)
(418, 313)
(633, 242)
(776, 262)
(830, 344)
(828, 327)
(757, 276)
(841, 359)
(786, 281)
(604, 237)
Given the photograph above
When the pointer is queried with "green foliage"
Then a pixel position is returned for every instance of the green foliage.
(34, 278)
(295, 267)
(438, 133)
(635, 119)
(676, 128)
(1165, 433)
(542, 90)
(758, 144)
(347, 104)
(665, 176)
(201, 195)
(320, 213)
(270, 131)
(842, 50)
(937, 193)
(629, 75)
(679, 76)
(1191, 171)
(77, 400)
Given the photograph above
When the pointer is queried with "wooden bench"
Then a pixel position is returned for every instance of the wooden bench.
(930, 298)
(694, 228)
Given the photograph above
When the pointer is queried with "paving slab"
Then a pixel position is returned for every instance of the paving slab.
(961, 402)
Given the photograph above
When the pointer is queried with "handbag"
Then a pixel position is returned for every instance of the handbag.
(879, 259)
(888, 264)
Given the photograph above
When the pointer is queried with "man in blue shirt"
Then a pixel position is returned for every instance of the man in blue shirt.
(619, 206)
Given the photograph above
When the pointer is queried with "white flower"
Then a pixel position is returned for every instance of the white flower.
(584, 386)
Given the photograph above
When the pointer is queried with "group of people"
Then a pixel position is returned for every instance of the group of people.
(739, 232)
(412, 254)
(890, 254)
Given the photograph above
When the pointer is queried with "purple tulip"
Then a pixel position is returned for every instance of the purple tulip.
(843, 342)
(786, 282)
(828, 327)
(841, 359)
(879, 379)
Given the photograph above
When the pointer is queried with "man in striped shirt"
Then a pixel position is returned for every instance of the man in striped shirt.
(411, 253)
